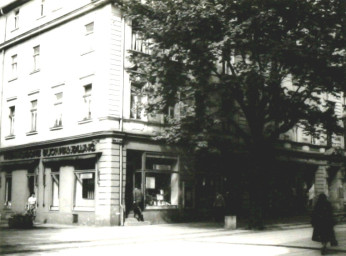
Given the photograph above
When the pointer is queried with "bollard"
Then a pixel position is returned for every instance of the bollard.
(231, 222)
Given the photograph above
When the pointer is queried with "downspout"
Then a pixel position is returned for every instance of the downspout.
(122, 207)
(2, 78)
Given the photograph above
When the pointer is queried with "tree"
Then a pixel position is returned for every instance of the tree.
(224, 61)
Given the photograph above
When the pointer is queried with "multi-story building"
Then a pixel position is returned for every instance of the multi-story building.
(72, 131)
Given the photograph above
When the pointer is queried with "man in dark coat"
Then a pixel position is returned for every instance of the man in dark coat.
(137, 204)
(323, 223)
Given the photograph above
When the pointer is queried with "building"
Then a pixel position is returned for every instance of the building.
(71, 130)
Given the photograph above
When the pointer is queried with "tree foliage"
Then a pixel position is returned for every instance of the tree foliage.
(265, 61)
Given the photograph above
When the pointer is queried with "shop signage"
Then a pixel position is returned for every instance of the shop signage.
(56, 151)
(69, 150)
(22, 154)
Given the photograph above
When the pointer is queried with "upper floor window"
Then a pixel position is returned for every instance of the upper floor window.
(138, 44)
(36, 58)
(33, 111)
(42, 8)
(16, 19)
(87, 102)
(89, 37)
(14, 65)
(12, 111)
(58, 110)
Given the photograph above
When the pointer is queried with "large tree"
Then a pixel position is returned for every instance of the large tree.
(221, 62)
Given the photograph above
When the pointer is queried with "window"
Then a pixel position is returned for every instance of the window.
(31, 183)
(138, 44)
(58, 110)
(11, 117)
(138, 101)
(55, 175)
(14, 66)
(42, 9)
(8, 191)
(16, 19)
(87, 102)
(36, 58)
(85, 190)
(89, 37)
(33, 111)
(161, 182)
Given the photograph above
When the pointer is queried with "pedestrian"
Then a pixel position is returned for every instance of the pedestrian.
(219, 207)
(138, 204)
(323, 223)
(31, 205)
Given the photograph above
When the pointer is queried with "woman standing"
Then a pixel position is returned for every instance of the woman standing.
(323, 223)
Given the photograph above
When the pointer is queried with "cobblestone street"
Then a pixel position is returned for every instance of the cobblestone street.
(170, 239)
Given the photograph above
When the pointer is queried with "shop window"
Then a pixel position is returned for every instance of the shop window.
(33, 112)
(85, 189)
(8, 191)
(161, 189)
(55, 189)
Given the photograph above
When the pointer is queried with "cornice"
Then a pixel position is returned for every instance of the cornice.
(93, 5)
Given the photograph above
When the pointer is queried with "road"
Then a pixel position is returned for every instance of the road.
(176, 239)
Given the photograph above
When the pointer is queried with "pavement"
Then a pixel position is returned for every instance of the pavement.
(283, 237)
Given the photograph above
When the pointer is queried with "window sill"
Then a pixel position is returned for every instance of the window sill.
(55, 128)
(10, 137)
(41, 17)
(13, 79)
(31, 133)
(86, 52)
(54, 208)
(84, 209)
(15, 29)
(84, 121)
(35, 71)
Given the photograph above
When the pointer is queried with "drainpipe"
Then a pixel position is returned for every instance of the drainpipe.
(2, 80)
(122, 207)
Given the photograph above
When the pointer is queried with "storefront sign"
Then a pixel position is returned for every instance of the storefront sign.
(56, 151)
(22, 154)
(69, 150)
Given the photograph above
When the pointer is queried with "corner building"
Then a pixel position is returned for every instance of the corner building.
(71, 129)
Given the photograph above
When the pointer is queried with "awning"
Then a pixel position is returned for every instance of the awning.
(71, 158)
(26, 163)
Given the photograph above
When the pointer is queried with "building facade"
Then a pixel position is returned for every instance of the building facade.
(74, 133)
(71, 129)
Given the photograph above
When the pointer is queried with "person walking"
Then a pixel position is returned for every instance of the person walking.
(323, 223)
(137, 204)
(219, 207)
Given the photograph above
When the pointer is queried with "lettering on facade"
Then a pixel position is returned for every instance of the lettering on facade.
(22, 154)
(56, 151)
(69, 150)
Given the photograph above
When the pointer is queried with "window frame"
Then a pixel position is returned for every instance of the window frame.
(12, 115)
(55, 179)
(16, 19)
(84, 204)
(36, 58)
(58, 111)
(14, 66)
(87, 102)
(8, 191)
(33, 116)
